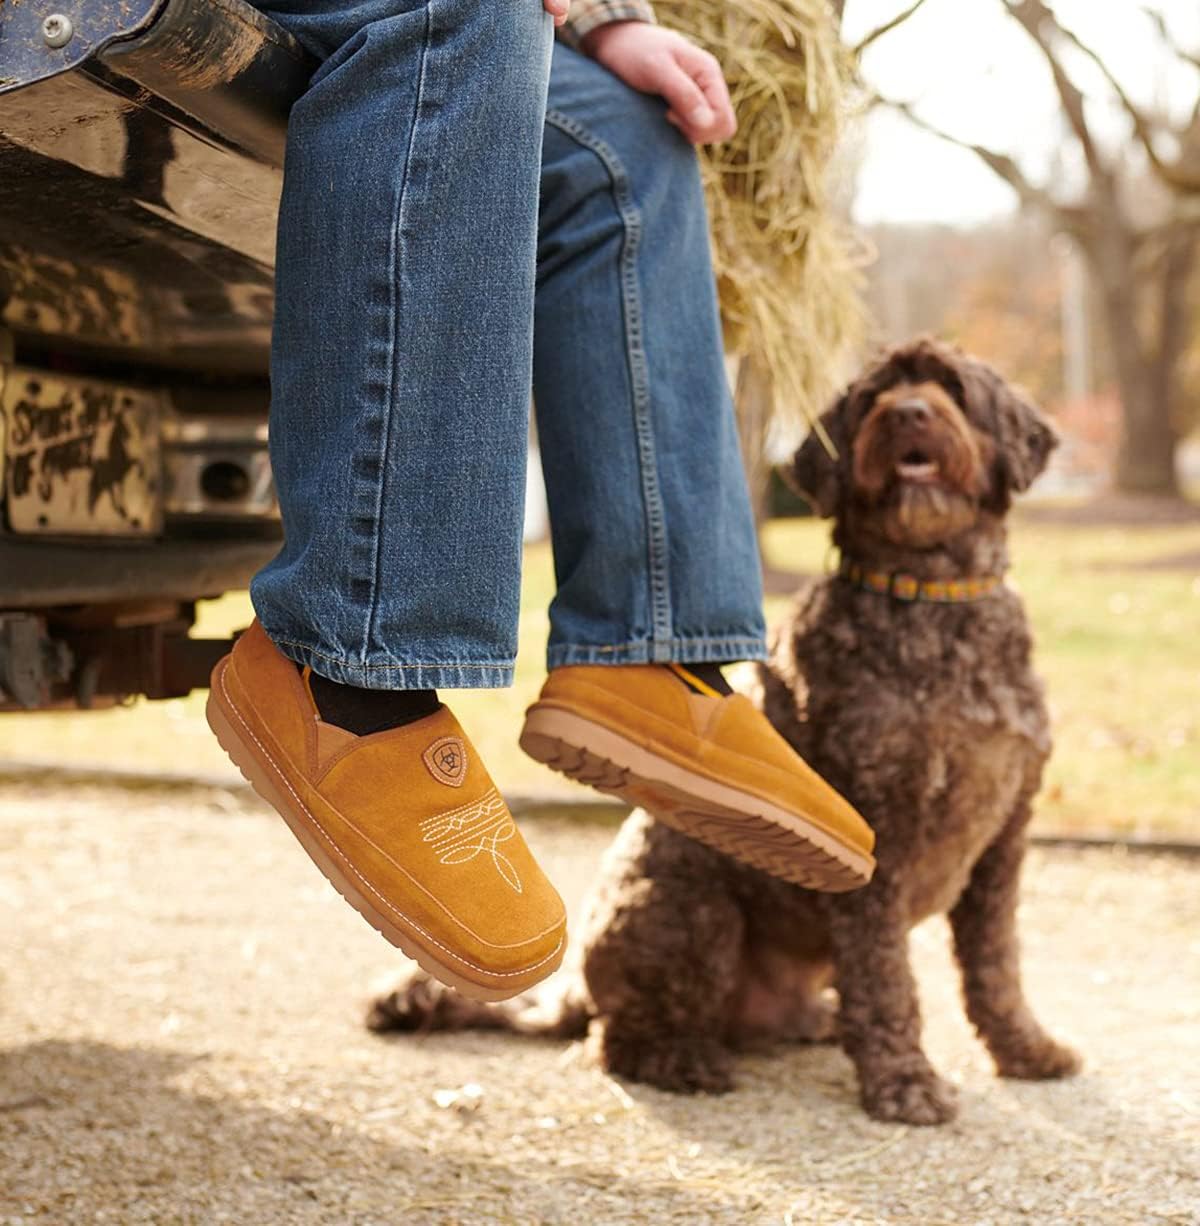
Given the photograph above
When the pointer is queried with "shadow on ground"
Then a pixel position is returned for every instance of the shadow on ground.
(69, 1124)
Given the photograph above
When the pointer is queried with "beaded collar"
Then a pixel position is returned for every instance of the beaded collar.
(909, 588)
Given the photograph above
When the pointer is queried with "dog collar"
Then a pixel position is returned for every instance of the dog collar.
(909, 588)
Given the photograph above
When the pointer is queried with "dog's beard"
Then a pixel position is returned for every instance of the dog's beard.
(921, 516)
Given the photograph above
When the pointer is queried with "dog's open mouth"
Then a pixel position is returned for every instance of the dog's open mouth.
(914, 465)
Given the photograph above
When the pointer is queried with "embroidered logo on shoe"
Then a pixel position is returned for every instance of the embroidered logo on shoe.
(446, 759)
(459, 835)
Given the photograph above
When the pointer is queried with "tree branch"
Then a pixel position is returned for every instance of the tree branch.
(1164, 32)
(886, 28)
(1000, 164)
(1174, 175)
(1034, 16)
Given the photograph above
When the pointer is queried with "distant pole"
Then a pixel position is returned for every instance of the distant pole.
(1076, 343)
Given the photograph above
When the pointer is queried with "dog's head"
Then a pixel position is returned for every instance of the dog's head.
(927, 440)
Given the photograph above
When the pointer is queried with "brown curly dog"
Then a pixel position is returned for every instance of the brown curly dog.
(905, 680)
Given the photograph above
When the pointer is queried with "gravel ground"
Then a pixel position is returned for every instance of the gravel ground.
(180, 998)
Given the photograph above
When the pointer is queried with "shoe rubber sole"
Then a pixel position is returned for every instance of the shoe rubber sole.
(266, 779)
(741, 825)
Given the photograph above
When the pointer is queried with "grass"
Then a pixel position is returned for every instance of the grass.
(1116, 616)
(1116, 611)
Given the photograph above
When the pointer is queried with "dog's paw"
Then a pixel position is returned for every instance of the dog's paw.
(817, 1022)
(409, 1004)
(683, 1065)
(418, 1002)
(910, 1096)
(1039, 1059)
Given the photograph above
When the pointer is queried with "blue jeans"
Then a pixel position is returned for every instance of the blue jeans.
(470, 208)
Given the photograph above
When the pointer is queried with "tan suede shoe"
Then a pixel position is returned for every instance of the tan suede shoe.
(406, 824)
(709, 765)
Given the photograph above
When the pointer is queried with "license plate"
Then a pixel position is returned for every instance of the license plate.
(81, 456)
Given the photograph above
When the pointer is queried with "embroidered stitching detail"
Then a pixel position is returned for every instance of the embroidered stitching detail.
(459, 835)
(446, 761)
(386, 904)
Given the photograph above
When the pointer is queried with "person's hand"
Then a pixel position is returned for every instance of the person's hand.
(658, 61)
(557, 9)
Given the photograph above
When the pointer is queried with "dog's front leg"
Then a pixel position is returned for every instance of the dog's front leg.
(879, 1016)
(985, 943)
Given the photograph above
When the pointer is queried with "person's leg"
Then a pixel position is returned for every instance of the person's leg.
(653, 534)
(400, 390)
(403, 339)
(654, 540)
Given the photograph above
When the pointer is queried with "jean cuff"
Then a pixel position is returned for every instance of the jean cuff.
(455, 675)
(706, 650)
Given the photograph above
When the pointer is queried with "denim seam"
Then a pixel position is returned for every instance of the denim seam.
(699, 641)
(391, 668)
(652, 501)
(742, 647)
(396, 262)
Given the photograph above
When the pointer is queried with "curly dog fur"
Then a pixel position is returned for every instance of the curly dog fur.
(927, 716)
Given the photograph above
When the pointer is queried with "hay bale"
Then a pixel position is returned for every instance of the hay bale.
(788, 268)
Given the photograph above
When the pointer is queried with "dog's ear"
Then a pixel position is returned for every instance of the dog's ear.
(1024, 438)
(814, 473)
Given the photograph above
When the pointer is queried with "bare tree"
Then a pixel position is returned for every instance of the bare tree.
(1143, 266)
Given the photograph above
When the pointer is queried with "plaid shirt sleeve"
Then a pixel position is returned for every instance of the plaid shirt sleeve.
(587, 15)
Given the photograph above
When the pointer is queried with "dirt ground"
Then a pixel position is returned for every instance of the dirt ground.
(180, 1042)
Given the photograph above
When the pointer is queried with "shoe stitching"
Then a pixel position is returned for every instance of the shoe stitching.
(466, 806)
(613, 695)
(352, 747)
(457, 841)
(691, 763)
(458, 833)
(566, 704)
(388, 905)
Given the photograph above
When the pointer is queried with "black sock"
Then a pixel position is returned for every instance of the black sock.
(709, 674)
(365, 711)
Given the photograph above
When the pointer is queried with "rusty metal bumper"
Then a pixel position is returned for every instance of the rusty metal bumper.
(140, 171)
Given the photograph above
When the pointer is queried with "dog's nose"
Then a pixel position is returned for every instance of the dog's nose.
(912, 412)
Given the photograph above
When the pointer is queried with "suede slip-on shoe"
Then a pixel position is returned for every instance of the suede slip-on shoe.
(406, 824)
(709, 765)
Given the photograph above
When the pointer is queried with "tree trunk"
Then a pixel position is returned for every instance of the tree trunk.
(1146, 464)
(1146, 373)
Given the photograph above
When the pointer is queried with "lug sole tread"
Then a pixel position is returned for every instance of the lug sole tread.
(752, 838)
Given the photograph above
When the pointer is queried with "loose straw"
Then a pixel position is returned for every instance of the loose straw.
(788, 266)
